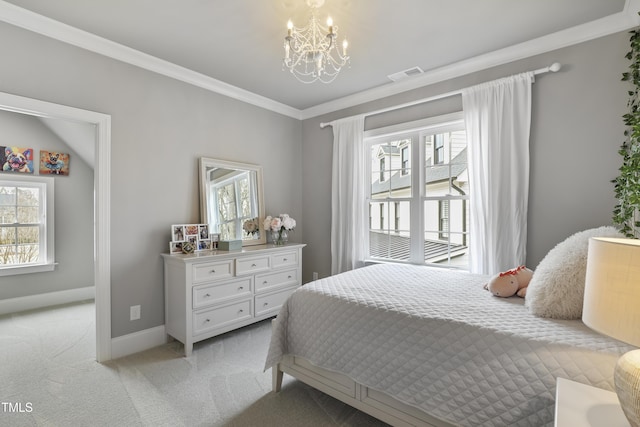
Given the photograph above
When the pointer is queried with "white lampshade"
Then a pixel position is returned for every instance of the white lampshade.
(612, 288)
(612, 307)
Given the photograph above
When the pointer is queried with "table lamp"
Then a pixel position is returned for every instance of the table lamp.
(612, 307)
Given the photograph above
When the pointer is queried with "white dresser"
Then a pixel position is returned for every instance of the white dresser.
(210, 293)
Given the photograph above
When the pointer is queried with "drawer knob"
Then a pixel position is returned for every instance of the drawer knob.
(241, 311)
(207, 295)
(265, 282)
(284, 259)
(289, 277)
(241, 288)
(212, 272)
(253, 265)
(265, 304)
(208, 320)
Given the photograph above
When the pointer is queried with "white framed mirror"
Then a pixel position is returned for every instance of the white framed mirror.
(231, 200)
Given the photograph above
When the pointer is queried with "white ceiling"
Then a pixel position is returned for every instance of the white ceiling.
(235, 46)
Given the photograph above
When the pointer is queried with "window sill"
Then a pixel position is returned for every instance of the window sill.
(26, 269)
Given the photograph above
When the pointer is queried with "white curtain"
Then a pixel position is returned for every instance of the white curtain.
(348, 204)
(498, 120)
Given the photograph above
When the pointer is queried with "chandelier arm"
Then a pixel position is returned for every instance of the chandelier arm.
(331, 46)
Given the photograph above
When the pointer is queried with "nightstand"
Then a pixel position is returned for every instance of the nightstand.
(580, 405)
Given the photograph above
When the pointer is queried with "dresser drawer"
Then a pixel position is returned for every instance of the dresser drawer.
(271, 303)
(277, 279)
(251, 265)
(208, 294)
(284, 259)
(204, 295)
(218, 317)
(212, 271)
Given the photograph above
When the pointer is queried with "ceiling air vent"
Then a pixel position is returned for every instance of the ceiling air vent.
(413, 71)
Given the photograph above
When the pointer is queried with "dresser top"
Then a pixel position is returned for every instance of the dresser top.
(245, 251)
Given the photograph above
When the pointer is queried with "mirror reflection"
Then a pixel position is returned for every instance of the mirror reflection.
(231, 200)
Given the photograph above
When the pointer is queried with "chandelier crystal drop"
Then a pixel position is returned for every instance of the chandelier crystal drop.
(310, 52)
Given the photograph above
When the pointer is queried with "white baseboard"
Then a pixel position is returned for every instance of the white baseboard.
(31, 302)
(138, 341)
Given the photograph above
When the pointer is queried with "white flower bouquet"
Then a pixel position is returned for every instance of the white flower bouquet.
(250, 226)
(279, 227)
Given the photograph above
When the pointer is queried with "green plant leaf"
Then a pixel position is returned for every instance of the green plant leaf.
(627, 185)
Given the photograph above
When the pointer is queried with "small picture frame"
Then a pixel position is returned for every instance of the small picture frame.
(175, 247)
(215, 238)
(16, 159)
(187, 238)
(54, 163)
(177, 233)
(203, 232)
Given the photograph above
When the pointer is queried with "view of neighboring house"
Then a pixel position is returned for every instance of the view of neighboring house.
(445, 195)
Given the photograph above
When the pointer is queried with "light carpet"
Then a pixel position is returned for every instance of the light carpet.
(49, 377)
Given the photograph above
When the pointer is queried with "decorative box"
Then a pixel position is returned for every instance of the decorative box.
(230, 245)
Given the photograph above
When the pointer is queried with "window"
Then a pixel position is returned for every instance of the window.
(438, 149)
(424, 194)
(233, 204)
(405, 160)
(443, 215)
(26, 225)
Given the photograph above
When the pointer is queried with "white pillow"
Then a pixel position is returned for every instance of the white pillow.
(556, 289)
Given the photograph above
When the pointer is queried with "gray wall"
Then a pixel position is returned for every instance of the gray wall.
(160, 127)
(73, 212)
(576, 131)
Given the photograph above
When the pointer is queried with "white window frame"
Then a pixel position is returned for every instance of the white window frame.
(47, 242)
(239, 219)
(404, 170)
(416, 130)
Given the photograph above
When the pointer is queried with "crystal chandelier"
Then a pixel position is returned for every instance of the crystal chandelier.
(310, 53)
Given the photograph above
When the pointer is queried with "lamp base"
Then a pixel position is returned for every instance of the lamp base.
(627, 381)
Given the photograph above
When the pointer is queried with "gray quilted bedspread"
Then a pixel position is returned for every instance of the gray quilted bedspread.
(435, 339)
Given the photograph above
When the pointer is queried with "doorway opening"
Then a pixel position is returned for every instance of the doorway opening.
(102, 193)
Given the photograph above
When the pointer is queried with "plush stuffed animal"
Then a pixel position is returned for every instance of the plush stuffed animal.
(510, 282)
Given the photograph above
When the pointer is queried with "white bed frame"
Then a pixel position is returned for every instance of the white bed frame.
(343, 388)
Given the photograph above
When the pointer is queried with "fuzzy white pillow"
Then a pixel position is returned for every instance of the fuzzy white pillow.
(556, 289)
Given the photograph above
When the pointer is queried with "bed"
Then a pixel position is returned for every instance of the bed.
(416, 345)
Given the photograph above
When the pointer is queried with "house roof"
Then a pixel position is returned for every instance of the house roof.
(396, 246)
(433, 175)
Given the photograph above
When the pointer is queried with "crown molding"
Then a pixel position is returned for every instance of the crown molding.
(621, 21)
(48, 27)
